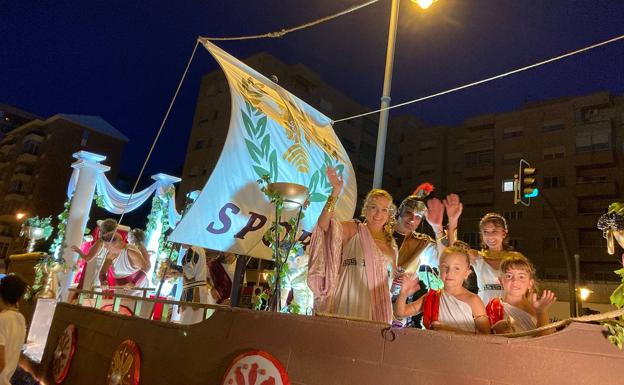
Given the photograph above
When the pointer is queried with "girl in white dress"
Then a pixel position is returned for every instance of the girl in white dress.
(453, 308)
(519, 309)
(495, 247)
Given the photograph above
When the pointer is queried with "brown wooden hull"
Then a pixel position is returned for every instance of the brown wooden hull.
(321, 351)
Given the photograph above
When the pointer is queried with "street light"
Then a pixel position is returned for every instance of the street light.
(385, 98)
(583, 294)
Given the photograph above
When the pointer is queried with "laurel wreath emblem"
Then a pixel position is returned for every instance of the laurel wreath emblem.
(258, 143)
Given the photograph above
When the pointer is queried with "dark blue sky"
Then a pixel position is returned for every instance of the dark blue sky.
(122, 59)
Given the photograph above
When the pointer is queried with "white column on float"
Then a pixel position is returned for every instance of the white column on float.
(89, 167)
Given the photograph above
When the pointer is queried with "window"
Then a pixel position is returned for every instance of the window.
(200, 144)
(478, 158)
(428, 145)
(512, 132)
(512, 215)
(17, 186)
(594, 140)
(592, 205)
(215, 115)
(554, 125)
(591, 179)
(23, 169)
(554, 181)
(31, 147)
(512, 157)
(559, 212)
(426, 169)
(556, 152)
(551, 243)
(591, 238)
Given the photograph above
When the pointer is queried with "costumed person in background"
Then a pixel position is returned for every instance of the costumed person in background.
(352, 264)
(125, 265)
(136, 237)
(495, 247)
(95, 255)
(195, 285)
(12, 325)
(452, 308)
(519, 309)
(418, 252)
(297, 280)
(218, 277)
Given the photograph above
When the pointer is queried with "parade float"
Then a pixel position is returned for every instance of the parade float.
(277, 148)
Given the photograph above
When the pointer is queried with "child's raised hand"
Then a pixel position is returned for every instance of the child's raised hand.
(409, 286)
(453, 207)
(541, 304)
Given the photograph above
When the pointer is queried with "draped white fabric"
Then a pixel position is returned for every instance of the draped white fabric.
(117, 202)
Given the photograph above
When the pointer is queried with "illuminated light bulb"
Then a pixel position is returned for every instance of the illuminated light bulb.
(584, 293)
(424, 4)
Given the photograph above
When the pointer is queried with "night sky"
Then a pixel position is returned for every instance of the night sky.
(122, 60)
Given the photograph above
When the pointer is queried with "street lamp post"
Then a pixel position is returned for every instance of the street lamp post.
(385, 97)
(387, 85)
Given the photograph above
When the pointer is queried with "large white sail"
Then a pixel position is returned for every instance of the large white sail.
(271, 132)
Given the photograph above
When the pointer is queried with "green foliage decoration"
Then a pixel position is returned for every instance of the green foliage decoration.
(44, 223)
(160, 212)
(290, 246)
(59, 241)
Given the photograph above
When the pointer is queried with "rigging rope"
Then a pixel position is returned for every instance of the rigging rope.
(297, 28)
(538, 64)
(162, 125)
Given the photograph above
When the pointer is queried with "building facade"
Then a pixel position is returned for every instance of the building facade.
(35, 167)
(575, 143)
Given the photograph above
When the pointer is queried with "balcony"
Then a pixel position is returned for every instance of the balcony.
(4, 163)
(478, 172)
(593, 158)
(4, 150)
(34, 137)
(27, 158)
(595, 189)
(23, 176)
(15, 196)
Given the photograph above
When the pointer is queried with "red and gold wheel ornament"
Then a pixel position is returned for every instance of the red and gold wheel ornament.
(256, 367)
(125, 367)
(63, 354)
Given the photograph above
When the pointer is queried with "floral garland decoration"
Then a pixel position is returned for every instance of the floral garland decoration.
(160, 211)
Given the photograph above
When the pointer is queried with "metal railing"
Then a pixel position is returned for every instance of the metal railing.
(138, 303)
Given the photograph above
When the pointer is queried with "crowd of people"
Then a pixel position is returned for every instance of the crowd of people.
(369, 269)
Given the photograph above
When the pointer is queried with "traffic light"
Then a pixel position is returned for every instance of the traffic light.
(526, 185)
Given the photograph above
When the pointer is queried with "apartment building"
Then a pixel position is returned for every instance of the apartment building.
(35, 160)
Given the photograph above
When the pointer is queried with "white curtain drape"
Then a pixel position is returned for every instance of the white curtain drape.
(117, 202)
